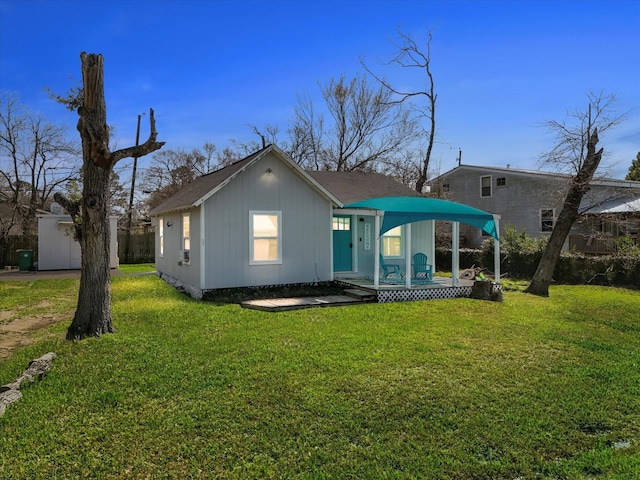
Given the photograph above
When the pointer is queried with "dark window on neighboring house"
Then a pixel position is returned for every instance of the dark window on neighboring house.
(547, 219)
(501, 182)
(445, 187)
(485, 186)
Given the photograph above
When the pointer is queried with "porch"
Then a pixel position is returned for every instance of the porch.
(391, 290)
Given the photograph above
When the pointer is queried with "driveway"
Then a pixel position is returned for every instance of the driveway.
(15, 275)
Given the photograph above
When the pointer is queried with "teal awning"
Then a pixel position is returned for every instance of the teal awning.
(402, 210)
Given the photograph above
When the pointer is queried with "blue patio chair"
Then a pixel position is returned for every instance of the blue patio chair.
(389, 269)
(421, 269)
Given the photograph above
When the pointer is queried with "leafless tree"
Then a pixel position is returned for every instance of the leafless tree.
(410, 55)
(93, 312)
(575, 151)
(366, 129)
(36, 158)
(170, 170)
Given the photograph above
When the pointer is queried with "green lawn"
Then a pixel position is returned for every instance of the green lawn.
(447, 389)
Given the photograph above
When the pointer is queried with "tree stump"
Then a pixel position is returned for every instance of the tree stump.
(483, 290)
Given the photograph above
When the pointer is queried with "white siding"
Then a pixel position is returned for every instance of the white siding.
(58, 250)
(306, 252)
(171, 263)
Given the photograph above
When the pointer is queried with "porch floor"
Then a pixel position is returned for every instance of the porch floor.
(400, 284)
(390, 291)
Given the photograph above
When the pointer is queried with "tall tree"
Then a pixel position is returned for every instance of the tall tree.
(366, 129)
(36, 158)
(410, 55)
(575, 150)
(634, 169)
(93, 312)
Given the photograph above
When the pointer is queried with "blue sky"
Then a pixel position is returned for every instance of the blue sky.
(211, 68)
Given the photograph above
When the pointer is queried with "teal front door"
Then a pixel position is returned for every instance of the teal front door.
(342, 244)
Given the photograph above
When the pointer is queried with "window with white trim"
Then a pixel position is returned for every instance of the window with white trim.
(161, 236)
(392, 242)
(547, 219)
(186, 238)
(265, 243)
(485, 186)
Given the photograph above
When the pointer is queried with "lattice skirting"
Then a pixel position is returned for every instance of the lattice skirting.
(385, 296)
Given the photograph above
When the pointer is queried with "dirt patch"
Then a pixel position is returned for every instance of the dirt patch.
(10, 341)
(6, 315)
(17, 333)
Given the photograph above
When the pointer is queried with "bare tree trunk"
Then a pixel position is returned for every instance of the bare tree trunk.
(93, 313)
(579, 186)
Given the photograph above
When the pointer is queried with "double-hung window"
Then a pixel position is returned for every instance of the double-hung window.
(392, 242)
(265, 245)
(547, 219)
(161, 236)
(485, 186)
(186, 238)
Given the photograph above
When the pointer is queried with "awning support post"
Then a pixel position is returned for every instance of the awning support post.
(455, 252)
(496, 250)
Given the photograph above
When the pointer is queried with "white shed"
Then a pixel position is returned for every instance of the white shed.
(58, 250)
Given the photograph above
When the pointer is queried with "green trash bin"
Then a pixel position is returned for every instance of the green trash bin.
(25, 260)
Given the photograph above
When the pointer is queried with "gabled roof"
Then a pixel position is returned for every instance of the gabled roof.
(195, 193)
(350, 187)
(602, 181)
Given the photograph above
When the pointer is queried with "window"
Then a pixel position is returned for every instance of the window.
(485, 186)
(501, 181)
(186, 239)
(392, 242)
(161, 236)
(342, 223)
(547, 219)
(445, 187)
(266, 233)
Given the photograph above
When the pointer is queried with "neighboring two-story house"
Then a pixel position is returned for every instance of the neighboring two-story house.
(531, 201)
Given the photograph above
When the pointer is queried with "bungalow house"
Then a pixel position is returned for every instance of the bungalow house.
(265, 221)
(531, 201)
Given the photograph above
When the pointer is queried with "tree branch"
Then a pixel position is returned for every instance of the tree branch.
(140, 150)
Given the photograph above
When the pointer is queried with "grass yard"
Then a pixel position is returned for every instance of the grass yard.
(447, 389)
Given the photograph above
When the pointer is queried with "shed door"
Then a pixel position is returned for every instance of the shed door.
(342, 244)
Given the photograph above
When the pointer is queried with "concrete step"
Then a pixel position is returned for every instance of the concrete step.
(361, 295)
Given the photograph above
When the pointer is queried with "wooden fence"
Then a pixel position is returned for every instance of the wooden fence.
(9, 246)
(141, 249)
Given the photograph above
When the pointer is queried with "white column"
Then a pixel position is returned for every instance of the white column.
(407, 254)
(332, 277)
(376, 251)
(455, 252)
(496, 250)
(432, 247)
